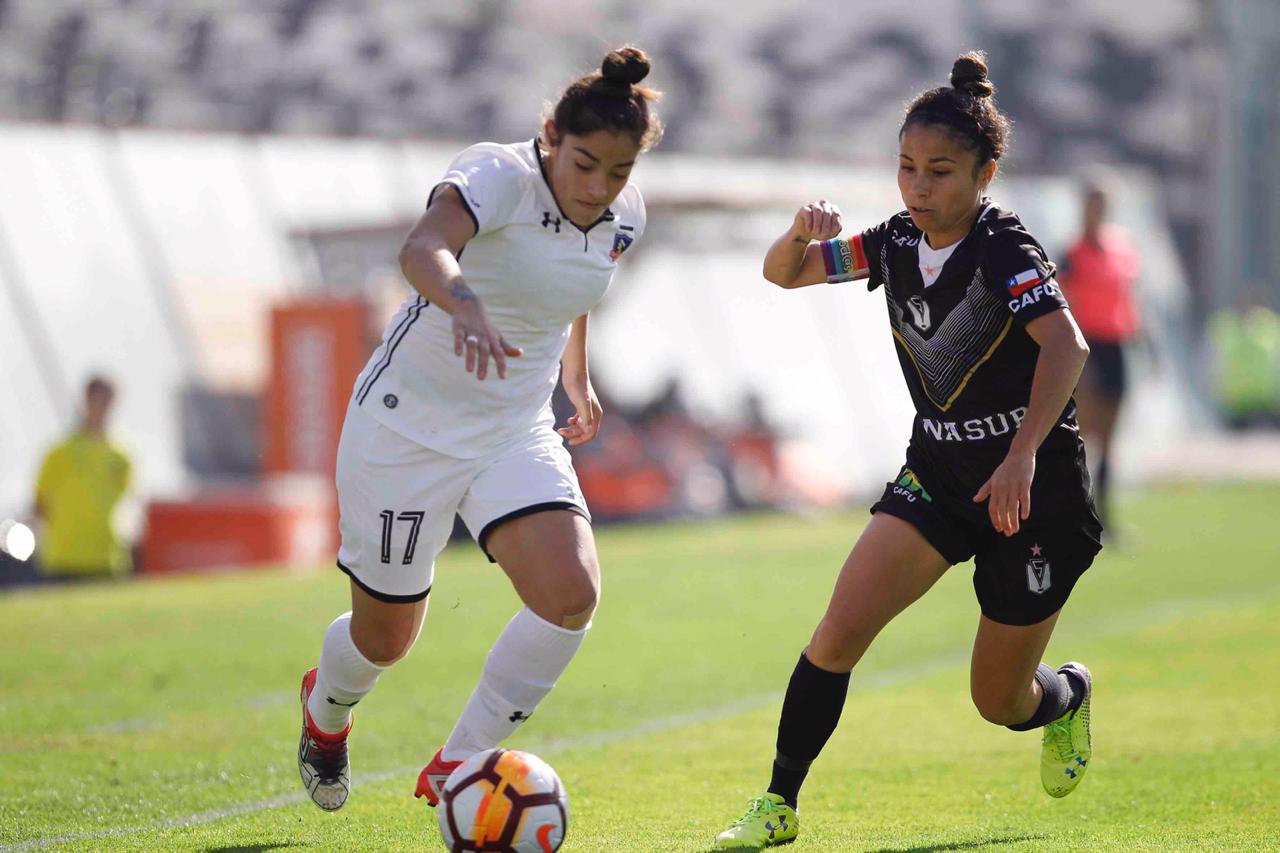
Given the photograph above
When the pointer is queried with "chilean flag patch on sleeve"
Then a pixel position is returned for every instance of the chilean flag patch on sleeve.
(1023, 281)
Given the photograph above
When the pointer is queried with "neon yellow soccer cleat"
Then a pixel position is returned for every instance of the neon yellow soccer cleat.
(769, 822)
(1067, 747)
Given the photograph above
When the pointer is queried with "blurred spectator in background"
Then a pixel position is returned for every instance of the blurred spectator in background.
(81, 481)
(1097, 275)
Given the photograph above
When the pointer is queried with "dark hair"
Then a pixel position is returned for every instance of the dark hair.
(99, 384)
(612, 99)
(967, 108)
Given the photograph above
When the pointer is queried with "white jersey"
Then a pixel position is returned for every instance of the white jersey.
(535, 272)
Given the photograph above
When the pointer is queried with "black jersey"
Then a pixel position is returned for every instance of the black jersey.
(962, 342)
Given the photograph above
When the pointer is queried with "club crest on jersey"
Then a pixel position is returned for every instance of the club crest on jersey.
(1023, 281)
(919, 312)
(620, 244)
(1038, 580)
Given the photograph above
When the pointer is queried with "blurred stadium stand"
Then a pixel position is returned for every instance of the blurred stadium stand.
(1086, 81)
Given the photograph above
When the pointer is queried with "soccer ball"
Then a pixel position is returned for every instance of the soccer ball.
(504, 801)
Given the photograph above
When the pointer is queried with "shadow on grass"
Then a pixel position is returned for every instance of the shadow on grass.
(929, 848)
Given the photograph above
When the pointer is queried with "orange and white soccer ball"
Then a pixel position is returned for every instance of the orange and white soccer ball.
(503, 801)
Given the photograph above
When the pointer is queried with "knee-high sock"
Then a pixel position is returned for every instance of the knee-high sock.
(523, 665)
(343, 678)
(1055, 700)
(810, 712)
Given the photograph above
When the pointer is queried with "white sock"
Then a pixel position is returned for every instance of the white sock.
(345, 677)
(523, 665)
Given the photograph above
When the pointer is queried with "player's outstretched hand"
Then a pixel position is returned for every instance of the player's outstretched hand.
(475, 336)
(585, 424)
(819, 220)
(1009, 492)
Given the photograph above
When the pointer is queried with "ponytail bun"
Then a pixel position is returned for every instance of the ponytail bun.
(966, 108)
(623, 68)
(969, 75)
(612, 99)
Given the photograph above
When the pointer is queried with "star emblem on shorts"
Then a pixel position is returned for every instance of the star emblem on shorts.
(1035, 550)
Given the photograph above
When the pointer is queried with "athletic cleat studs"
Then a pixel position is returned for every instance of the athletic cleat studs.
(323, 763)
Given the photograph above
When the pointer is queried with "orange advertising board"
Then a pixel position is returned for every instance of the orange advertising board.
(317, 349)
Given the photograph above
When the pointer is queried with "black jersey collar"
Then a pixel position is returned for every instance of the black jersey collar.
(607, 216)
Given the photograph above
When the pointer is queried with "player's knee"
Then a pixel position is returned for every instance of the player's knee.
(388, 644)
(996, 708)
(392, 657)
(839, 644)
(578, 606)
(834, 651)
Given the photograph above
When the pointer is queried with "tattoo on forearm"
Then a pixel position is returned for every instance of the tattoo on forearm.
(459, 291)
(804, 240)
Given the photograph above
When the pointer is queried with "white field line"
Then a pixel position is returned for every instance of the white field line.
(1158, 613)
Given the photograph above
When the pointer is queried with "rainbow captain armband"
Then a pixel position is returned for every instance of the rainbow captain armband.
(844, 258)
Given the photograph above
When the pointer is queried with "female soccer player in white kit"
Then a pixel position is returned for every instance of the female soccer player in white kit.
(431, 432)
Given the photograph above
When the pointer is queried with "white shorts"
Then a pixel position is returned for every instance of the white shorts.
(397, 500)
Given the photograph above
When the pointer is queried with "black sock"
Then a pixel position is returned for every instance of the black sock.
(1054, 703)
(815, 698)
(1077, 687)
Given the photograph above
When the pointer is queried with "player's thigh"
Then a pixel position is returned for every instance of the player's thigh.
(396, 502)
(551, 560)
(1004, 661)
(526, 511)
(890, 567)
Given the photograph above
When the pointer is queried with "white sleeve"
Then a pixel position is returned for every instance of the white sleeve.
(490, 183)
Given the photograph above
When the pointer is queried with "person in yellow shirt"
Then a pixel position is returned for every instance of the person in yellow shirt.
(81, 481)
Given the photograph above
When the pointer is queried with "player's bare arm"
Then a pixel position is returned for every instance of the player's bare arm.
(585, 423)
(429, 260)
(1062, 356)
(795, 258)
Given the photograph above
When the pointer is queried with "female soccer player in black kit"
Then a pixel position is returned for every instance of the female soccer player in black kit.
(995, 468)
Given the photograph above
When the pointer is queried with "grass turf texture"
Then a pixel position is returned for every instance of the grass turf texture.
(142, 716)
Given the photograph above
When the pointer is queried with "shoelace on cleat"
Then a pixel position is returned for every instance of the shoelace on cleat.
(758, 806)
(328, 759)
(1059, 732)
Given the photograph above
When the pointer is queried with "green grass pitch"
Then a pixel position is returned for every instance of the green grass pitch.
(162, 715)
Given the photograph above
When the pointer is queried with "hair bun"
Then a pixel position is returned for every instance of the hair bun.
(624, 67)
(969, 74)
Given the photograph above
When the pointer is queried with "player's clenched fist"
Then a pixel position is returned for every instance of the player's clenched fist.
(819, 220)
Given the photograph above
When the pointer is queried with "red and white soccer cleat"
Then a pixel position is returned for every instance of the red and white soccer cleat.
(322, 757)
(432, 778)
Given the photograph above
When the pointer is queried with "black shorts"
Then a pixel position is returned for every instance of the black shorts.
(1021, 579)
(1106, 369)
